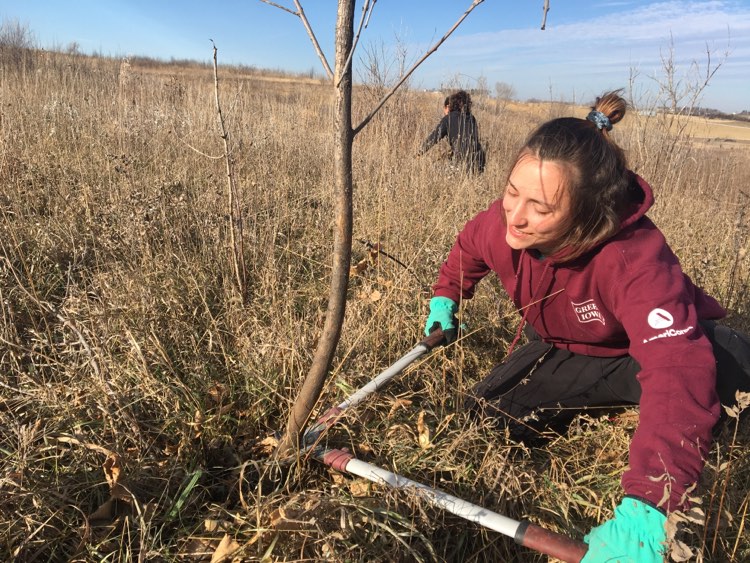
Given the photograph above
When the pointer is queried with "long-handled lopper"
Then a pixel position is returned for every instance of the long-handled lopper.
(330, 417)
(524, 533)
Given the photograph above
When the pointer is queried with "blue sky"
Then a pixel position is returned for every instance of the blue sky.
(587, 47)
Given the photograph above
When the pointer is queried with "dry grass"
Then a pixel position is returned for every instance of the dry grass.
(137, 386)
(724, 131)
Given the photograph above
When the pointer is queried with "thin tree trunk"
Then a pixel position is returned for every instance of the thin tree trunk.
(342, 242)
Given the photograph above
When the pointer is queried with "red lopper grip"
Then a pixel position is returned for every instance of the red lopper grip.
(550, 543)
(434, 339)
(337, 459)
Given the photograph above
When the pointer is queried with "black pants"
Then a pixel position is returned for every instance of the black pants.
(541, 387)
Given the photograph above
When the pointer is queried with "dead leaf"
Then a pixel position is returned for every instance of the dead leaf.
(678, 551)
(360, 488)
(290, 519)
(359, 268)
(363, 449)
(217, 393)
(267, 445)
(198, 549)
(424, 432)
(311, 504)
(337, 478)
(375, 296)
(384, 282)
(197, 423)
(255, 538)
(374, 252)
(397, 404)
(224, 409)
(743, 399)
(225, 549)
(120, 501)
(111, 468)
(110, 511)
(327, 549)
(212, 525)
(113, 473)
(76, 441)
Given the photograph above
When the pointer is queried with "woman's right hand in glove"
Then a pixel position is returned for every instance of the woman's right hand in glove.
(442, 316)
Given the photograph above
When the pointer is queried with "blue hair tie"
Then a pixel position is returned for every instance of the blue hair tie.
(600, 120)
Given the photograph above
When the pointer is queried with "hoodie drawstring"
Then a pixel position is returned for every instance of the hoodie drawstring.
(517, 296)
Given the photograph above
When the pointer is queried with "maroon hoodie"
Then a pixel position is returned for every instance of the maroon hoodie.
(627, 296)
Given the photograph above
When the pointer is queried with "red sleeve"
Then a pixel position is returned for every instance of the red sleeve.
(465, 265)
(679, 405)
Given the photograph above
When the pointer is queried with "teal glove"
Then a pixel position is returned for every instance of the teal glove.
(442, 316)
(634, 535)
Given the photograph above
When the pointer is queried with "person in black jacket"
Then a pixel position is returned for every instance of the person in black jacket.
(461, 128)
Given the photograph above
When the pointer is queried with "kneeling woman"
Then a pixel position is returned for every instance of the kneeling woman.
(611, 319)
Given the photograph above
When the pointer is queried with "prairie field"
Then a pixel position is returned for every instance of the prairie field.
(141, 393)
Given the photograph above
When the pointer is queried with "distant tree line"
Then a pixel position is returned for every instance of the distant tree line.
(19, 50)
(710, 113)
(18, 45)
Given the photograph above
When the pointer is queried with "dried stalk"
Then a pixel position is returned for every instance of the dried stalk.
(235, 214)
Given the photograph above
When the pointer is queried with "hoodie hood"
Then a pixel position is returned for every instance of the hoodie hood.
(642, 201)
(641, 197)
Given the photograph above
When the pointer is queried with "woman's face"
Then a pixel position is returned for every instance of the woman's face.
(536, 204)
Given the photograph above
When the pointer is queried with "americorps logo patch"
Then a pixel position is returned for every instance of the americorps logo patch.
(659, 318)
(587, 311)
(662, 320)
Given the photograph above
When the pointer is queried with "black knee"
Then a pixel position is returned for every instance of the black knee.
(732, 353)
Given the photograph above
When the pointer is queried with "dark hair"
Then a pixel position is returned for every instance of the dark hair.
(598, 179)
(460, 101)
(447, 101)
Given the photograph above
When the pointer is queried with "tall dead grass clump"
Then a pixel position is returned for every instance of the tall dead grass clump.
(138, 389)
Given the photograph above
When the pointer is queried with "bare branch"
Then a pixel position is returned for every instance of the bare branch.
(371, 10)
(709, 71)
(300, 13)
(408, 73)
(683, 93)
(365, 16)
(314, 40)
(545, 9)
(699, 88)
(280, 7)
